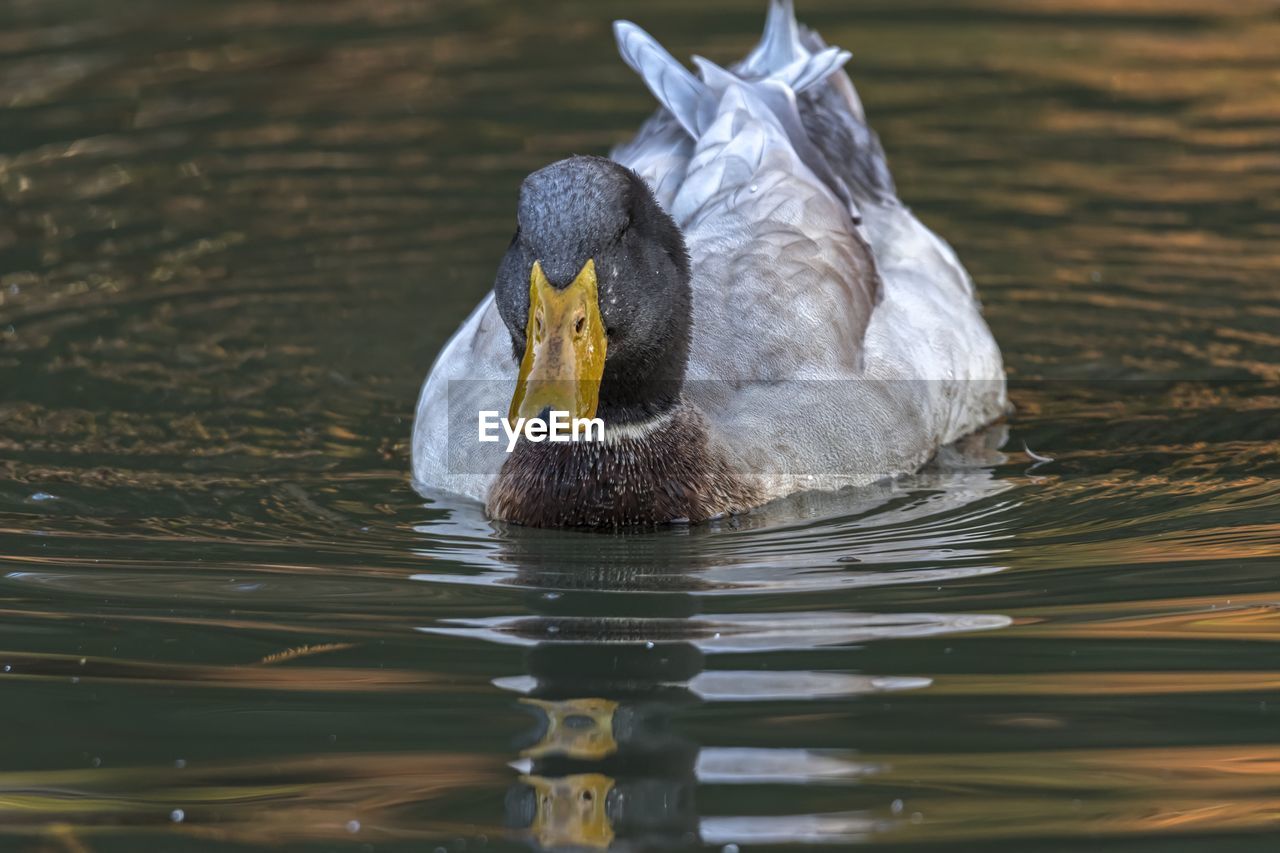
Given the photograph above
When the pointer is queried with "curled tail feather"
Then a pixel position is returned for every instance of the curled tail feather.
(781, 44)
(693, 101)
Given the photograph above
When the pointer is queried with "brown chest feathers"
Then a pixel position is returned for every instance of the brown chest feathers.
(666, 473)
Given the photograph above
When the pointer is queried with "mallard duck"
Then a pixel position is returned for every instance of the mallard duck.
(737, 294)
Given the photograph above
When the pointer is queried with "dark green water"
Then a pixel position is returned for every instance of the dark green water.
(233, 236)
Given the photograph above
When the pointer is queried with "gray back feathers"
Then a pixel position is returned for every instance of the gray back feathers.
(685, 96)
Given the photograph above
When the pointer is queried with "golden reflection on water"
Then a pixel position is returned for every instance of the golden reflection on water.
(1117, 791)
(20, 666)
(1248, 617)
(250, 803)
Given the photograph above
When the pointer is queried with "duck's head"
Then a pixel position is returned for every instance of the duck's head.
(595, 293)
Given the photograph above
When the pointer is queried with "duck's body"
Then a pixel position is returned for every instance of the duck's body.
(834, 340)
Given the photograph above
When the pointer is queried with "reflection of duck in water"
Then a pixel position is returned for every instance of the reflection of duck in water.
(626, 640)
(750, 237)
(605, 767)
(604, 770)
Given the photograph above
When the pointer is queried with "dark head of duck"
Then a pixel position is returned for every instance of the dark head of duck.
(595, 291)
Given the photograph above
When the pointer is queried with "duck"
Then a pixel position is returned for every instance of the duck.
(736, 294)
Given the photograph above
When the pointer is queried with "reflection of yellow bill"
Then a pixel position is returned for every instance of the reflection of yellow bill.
(571, 811)
(564, 348)
(577, 728)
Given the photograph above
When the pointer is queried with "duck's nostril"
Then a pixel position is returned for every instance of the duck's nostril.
(579, 325)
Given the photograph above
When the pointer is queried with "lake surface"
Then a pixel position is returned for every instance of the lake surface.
(234, 234)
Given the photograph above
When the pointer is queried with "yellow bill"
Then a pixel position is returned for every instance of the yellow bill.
(564, 348)
(572, 811)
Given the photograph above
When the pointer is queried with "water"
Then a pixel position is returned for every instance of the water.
(233, 236)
